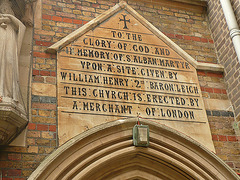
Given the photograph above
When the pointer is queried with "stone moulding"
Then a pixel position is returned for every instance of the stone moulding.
(123, 5)
(194, 2)
(107, 152)
(13, 120)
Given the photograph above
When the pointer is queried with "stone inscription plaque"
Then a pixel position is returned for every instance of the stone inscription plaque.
(120, 70)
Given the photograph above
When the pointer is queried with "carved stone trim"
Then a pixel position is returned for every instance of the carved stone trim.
(107, 152)
(123, 5)
(194, 2)
(13, 120)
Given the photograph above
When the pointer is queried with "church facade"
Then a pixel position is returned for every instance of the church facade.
(91, 70)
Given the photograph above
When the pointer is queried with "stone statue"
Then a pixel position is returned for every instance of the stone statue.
(11, 36)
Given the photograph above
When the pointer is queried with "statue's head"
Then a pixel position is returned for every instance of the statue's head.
(6, 7)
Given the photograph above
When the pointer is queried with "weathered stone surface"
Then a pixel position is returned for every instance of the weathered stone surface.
(13, 116)
(125, 68)
(13, 119)
(44, 89)
(217, 104)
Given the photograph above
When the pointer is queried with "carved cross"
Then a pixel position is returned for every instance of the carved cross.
(125, 21)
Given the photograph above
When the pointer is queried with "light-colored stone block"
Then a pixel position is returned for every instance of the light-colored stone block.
(42, 89)
(217, 104)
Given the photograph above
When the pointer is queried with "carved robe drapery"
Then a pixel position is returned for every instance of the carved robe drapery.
(11, 35)
(13, 116)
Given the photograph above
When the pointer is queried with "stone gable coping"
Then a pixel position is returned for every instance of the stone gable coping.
(123, 5)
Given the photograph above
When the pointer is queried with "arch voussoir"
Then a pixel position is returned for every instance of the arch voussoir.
(107, 152)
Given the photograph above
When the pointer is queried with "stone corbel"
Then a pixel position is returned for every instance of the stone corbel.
(13, 120)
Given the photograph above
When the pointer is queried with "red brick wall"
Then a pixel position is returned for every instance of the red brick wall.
(225, 50)
(186, 25)
(224, 137)
(17, 163)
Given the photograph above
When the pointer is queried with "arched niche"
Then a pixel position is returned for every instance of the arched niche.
(107, 152)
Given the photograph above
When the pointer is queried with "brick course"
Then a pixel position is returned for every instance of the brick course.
(19, 162)
(185, 25)
(225, 50)
(225, 140)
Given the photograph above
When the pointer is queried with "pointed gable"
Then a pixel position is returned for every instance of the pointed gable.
(124, 6)
(120, 66)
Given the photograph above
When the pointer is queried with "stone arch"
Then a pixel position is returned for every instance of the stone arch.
(107, 152)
